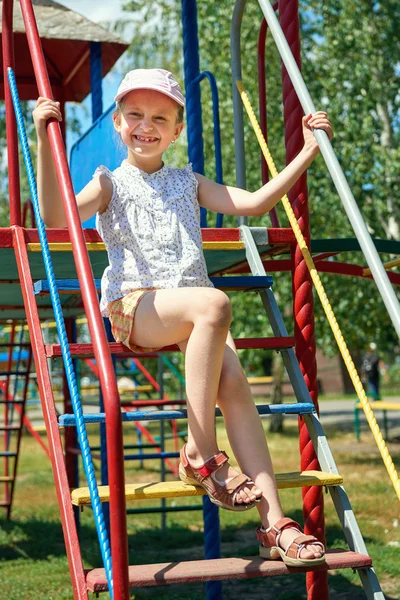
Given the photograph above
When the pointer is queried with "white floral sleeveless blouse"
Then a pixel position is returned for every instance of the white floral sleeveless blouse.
(151, 230)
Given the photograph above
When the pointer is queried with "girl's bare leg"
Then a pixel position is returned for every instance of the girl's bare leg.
(247, 438)
(198, 320)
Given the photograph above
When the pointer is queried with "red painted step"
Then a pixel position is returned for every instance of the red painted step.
(80, 350)
(219, 569)
(139, 403)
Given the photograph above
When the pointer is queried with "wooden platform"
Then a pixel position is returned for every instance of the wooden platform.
(223, 249)
(220, 569)
(178, 489)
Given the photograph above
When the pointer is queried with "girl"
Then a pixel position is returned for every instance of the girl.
(156, 291)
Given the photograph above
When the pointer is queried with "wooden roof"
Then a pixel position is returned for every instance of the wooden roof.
(66, 37)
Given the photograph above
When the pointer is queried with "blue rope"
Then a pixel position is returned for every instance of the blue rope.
(217, 131)
(55, 300)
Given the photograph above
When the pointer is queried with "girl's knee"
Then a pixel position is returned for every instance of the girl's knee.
(216, 308)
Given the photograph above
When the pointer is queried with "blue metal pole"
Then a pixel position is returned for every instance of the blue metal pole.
(96, 76)
(193, 94)
(196, 156)
(217, 131)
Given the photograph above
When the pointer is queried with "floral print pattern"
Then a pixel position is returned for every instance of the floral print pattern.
(151, 229)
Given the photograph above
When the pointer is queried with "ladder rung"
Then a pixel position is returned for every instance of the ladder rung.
(122, 390)
(171, 436)
(178, 489)
(10, 401)
(297, 408)
(6, 478)
(7, 453)
(7, 373)
(83, 350)
(10, 427)
(155, 402)
(233, 282)
(379, 405)
(221, 568)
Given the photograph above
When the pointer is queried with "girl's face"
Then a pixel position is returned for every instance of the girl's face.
(147, 124)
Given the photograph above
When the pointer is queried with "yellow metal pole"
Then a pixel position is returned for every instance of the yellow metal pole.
(388, 265)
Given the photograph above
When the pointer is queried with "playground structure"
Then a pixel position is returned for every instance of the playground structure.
(228, 251)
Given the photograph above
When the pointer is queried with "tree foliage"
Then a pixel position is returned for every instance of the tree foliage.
(350, 58)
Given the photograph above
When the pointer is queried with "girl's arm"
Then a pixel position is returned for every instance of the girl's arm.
(235, 201)
(94, 197)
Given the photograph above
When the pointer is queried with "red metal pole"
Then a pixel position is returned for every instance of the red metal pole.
(303, 307)
(11, 126)
(21, 412)
(6, 411)
(70, 434)
(50, 418)
(27, 422)
(119, 542)
(262, 99)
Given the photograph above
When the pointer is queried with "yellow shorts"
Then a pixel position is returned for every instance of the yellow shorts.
(122, 314)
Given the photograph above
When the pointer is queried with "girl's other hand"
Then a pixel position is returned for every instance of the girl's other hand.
(319, 120)
(45, 109)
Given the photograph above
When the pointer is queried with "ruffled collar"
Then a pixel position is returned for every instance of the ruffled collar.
(129, 168)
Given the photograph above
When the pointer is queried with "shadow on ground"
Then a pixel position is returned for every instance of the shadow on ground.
(37, 540)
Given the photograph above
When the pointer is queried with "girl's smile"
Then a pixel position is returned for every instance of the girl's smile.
(147, 125)
(146, 139)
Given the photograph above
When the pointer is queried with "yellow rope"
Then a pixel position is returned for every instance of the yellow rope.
(387, 459)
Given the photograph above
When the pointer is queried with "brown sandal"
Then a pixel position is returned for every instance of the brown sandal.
(270, 548)
(220, 493)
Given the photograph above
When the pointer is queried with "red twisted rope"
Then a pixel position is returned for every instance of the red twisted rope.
(303, 306)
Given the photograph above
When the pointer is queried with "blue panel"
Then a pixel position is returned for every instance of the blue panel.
(297, 408)
(100, 145)
(23, 355)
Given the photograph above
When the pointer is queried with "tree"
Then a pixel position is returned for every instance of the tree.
(350, 57)
(351, 64)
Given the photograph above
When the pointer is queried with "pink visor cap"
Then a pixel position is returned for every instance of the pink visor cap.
(158, 80)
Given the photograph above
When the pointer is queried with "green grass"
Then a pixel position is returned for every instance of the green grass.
(33, 564)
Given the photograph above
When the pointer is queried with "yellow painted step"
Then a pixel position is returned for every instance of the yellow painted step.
(176, 489)
(6, 478)
(121, 389)
(379, 405)
(255, 380)
(100, 246)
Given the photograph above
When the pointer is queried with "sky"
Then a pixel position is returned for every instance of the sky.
(97, 11)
